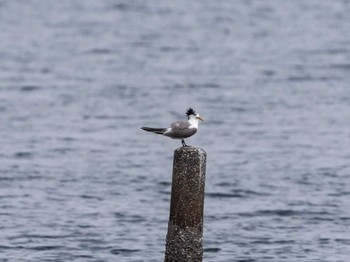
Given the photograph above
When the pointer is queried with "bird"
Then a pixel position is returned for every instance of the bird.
(179, 129)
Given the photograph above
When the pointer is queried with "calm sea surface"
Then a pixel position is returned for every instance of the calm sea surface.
(79, 180)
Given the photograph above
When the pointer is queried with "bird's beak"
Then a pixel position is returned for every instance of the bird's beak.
(200, 118)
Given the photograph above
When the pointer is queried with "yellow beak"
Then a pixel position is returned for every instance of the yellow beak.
(200, 118)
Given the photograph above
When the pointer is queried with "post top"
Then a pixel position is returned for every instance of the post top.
(190, 149)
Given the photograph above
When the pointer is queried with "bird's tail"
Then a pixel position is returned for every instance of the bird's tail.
(154, 130)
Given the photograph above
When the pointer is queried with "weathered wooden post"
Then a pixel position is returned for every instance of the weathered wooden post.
(185, 229)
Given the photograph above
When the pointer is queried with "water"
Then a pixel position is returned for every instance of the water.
(79, 181)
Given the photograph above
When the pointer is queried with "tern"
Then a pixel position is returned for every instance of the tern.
(179, 129)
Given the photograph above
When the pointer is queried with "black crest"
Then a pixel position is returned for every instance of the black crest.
(190, 111)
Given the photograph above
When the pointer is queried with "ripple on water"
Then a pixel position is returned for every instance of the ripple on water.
(124, 251)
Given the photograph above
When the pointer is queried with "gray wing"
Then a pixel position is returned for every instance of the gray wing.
(180, 129)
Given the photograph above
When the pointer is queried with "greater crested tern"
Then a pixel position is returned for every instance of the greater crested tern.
(179, 129)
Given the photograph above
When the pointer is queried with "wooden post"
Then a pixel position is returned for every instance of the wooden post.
(185, 229)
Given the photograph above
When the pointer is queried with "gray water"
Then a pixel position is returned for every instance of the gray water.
(79, 180)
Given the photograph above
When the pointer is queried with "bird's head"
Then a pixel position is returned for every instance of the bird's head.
(191, 114)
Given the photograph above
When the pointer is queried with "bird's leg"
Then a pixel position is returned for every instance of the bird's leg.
(183, 142)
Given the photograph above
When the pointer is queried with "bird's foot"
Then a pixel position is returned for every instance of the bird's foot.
(183, 143)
